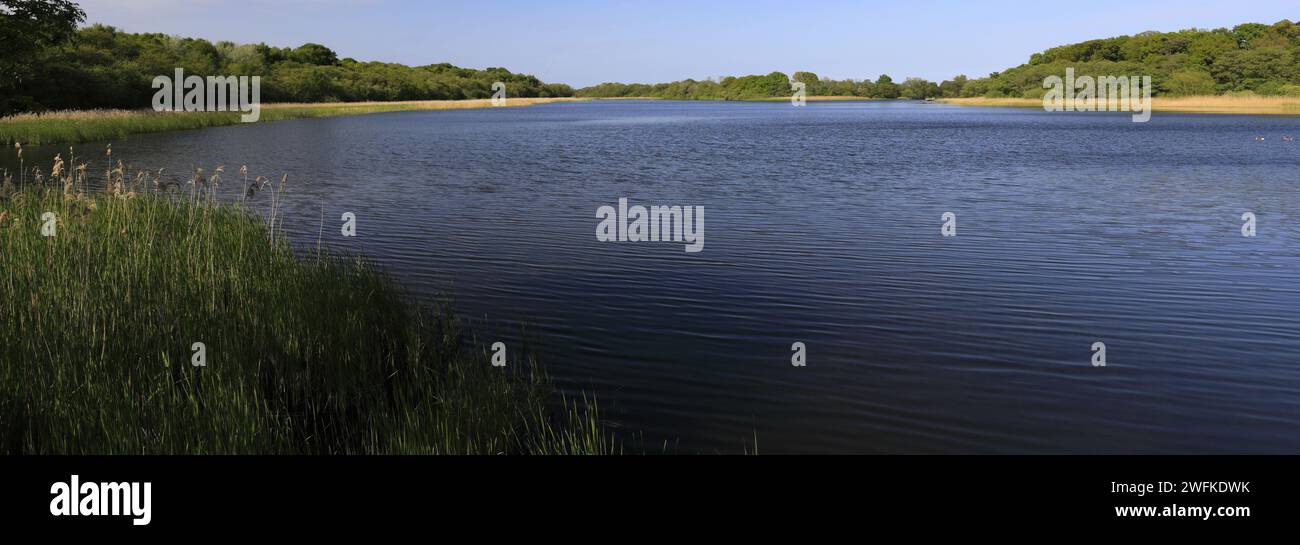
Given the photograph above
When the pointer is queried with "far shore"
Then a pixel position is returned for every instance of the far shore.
(823, 98)
(817, 98)
(1248, 105)
(72, 127)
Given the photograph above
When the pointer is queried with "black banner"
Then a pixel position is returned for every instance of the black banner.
(320, 495)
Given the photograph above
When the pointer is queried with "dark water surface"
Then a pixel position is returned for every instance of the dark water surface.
(823, 226)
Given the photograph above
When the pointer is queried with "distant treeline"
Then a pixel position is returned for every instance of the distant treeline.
(61, 67)
(1246, 59)
(105, 68)
(777, 84)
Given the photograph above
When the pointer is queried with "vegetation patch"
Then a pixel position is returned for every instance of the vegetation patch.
(108, 296)
(73, 127)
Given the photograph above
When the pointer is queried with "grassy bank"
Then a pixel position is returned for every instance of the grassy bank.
(1257, 105)
(320, 354)
(103, 125)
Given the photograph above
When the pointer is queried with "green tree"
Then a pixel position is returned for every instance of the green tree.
(316, 54)
(811, 82)
(1251, 69)
(1247, 33)
(917, 89)
(864, 89)
(952, 88)
(27, 28)
(886, 88)
(776, 84)
(1190, 83)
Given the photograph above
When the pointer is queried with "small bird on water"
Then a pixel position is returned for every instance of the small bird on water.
(1288, 139)
(1259, 138)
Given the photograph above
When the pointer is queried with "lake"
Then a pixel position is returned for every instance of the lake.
(823, 226)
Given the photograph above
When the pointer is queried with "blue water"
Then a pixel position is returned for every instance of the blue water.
(823, 227)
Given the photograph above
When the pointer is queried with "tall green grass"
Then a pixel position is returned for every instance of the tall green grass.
(305, 354)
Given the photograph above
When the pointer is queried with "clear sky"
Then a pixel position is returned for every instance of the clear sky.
(584, 42)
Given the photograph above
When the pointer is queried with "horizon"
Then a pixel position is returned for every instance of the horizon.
(585, 43)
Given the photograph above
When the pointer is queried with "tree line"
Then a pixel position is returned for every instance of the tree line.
(778, 84)
(1244, 60)
(48, 63)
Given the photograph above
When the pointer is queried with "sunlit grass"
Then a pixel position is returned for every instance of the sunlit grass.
(1260, 105)
(305, 354)
(103, 125)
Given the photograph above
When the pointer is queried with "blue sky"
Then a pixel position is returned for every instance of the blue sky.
(585, 42)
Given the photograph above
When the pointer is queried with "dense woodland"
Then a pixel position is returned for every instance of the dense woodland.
(1246, 59)
(61, 67)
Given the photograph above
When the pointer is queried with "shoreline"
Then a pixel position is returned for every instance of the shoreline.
(79, 126)
(815, 98)
(1217, 105)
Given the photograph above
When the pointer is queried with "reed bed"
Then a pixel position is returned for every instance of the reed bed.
(71, 127)
(319, 354)
(1251, 105)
